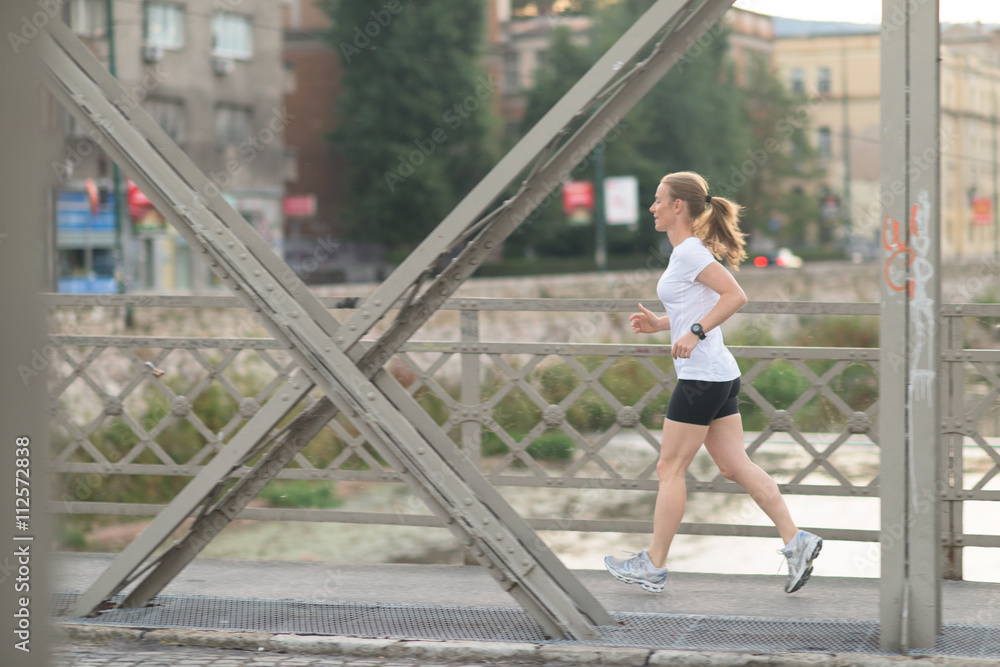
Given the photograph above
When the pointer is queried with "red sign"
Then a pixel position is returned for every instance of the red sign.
(138, 203)
(982, 211)
(300, 206)
(577, 195)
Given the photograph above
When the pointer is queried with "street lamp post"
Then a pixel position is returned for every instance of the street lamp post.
(600, 231)
(116, 174)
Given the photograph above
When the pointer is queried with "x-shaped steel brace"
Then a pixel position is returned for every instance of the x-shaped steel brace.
(350, 373)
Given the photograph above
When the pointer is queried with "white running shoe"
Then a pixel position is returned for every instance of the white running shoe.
(800, 552)
(638, 570)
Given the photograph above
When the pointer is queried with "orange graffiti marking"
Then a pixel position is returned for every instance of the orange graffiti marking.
(892, 242)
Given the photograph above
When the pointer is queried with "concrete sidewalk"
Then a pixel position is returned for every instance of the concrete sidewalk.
(830, 599)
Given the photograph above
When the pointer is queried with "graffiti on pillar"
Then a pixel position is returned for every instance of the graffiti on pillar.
(901, 255)
(921, 301)
(908, 267)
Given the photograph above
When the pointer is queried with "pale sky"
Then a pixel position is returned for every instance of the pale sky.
(869, 11)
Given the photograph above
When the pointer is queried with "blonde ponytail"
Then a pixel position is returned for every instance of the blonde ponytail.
(716, 219)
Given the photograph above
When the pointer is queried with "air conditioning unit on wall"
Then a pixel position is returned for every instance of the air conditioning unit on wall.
(223, 66)
(152, 53)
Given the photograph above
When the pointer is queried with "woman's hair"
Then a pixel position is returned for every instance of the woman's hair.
(716, 222)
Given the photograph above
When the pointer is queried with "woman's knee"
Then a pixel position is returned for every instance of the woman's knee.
(735, 470)
(732, 474)
(669, 468)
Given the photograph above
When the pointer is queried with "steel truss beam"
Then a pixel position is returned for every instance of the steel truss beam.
(350, 374)
(298, 320)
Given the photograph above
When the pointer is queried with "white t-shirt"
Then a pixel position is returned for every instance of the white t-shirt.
(686, 302)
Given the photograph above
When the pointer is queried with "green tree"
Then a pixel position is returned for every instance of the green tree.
(548, 232)
(416, 123)
(750, 142)
(781, 168)
(694, 119)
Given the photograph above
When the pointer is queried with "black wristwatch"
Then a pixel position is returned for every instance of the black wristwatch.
(697, 330)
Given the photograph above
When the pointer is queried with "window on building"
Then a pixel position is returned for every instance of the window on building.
(164, 25)
(169, 114)
(74, 129)
(103, 262)
(233, 123)
(232, 36)
(824, 80)
(540, 59)
(88, 17)
(512, 72)
(824, 143)
(289, 78)
(797, 80)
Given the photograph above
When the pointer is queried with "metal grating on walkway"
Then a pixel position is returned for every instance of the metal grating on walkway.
(410, 621)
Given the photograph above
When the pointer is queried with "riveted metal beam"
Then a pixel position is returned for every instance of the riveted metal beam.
(350, 374)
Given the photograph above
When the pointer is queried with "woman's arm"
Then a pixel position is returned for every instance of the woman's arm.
(648, 322)
(731, 299)
(731, 295)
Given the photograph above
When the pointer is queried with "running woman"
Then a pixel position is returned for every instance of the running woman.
(699, 294)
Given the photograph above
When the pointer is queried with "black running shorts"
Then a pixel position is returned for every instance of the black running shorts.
(699, 402)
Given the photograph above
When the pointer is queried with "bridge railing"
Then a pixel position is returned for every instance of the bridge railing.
(569, 413)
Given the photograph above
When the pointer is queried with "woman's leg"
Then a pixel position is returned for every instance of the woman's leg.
(678, 446)
(724, 442)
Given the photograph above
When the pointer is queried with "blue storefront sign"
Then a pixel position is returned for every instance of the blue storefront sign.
(98, 285)
(85, 241)
(74, 214)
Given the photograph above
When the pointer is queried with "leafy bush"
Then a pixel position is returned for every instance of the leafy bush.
(300, 493)
(553, 445)
(837, 331)
(590, 412)
(557, 381)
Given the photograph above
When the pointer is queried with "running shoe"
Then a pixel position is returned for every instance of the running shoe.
(800, 552)
(638, 570)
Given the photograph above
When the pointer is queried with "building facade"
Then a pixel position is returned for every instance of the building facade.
(839, 77)
(316, 195)
(523, 43)
(210, 73)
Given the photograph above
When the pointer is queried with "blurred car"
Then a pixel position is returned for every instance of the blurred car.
(782, 258)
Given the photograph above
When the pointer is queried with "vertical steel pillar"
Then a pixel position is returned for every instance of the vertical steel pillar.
(25, 152)
(909, 425)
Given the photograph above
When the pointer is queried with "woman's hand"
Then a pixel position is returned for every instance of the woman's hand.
(645, 322)
(684, 346)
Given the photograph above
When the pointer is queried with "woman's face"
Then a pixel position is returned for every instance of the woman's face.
(663, 209)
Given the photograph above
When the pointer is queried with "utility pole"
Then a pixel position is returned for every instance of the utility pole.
(116, 174)
(600, 231)
(846, 200)
(996, 182)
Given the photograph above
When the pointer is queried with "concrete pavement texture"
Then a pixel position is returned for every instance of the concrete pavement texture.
(457, 587)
